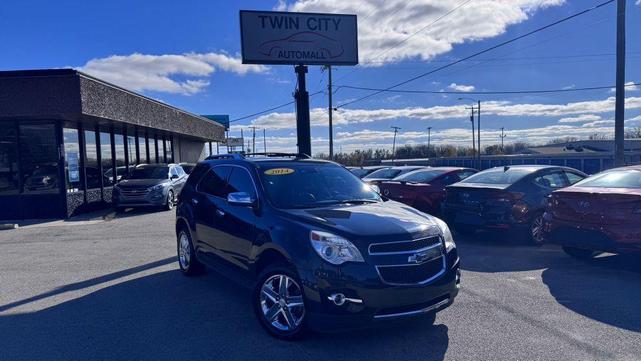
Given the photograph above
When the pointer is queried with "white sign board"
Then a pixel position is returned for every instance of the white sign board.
(273, 37)
(234, 142)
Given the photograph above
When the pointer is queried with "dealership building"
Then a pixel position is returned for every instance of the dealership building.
(67, 137)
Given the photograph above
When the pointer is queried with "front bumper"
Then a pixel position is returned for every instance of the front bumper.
(149, 199)
(379, 301)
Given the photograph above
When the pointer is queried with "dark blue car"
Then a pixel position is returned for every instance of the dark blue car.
(320, 248)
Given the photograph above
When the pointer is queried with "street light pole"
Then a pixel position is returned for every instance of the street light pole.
(330, 109)
(619, 103)
(394, 144)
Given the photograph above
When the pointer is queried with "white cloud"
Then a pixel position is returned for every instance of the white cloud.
(141, 72)
(498, 108)
(580, 118)
(382, 24)
(461, 87)
(629, 86)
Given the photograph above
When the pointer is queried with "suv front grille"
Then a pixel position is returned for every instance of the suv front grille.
(403, 246)
(134, 192)
(414, 262)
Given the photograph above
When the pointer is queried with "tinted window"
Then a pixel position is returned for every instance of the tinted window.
(8, 159)
(359, 172)
(498, 176)
(421, 176)
(147, 172)
(240, 181)
(72, 158)
(614, 179)
(313, 185)
(466, 173)
(39, 158)
(174, 172)
(215, 182)
(551, 180)
(92, 168)
(387, 173)
(573, 177)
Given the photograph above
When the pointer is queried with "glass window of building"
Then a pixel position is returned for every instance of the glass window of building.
(8, 160)
(142, 146)
(39, 158)
(152, 148)
(121, 168)
(72, 159)
(169, 156)
(131, 149)
(92, 170)
(106, 157)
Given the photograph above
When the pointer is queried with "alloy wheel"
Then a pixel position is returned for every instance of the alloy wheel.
(536, 229)
(184, 251)
(281, 302)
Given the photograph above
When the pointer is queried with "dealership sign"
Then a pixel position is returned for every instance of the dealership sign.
(271, 37)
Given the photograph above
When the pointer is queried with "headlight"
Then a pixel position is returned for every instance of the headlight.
(447, 235)
(156, 188)
(334, 249)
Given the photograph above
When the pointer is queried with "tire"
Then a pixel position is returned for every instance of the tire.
(187, 261)
(535, 230)
(580, 253)
(289, 321)
(171, 200)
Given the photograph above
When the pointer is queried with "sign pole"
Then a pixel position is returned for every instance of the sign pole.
(302, 113)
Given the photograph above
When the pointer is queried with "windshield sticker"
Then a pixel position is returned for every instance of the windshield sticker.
(279, 171)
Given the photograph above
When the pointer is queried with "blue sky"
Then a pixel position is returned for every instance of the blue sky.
(187, 54)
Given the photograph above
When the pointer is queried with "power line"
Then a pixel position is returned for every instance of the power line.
(270, 109)
(480, 52)
(537, 91)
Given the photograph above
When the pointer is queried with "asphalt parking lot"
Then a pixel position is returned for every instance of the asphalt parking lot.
(89, 289)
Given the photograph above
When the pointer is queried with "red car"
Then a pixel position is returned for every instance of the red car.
(424, 189)
(599, 214)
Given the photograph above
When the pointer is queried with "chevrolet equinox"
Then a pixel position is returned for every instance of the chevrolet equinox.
(321, 249)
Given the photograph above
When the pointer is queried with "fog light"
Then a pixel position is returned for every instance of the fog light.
(339, 299)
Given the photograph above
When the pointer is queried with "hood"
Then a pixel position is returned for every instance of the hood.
(369, 223)
(140, 182)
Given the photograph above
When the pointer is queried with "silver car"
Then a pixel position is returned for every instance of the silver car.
(150, 185)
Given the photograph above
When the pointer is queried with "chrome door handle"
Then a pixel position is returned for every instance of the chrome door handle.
(220, 213)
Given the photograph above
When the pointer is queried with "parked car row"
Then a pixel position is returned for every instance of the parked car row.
(586, 215)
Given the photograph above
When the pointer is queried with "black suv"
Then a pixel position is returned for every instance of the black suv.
(320, 248)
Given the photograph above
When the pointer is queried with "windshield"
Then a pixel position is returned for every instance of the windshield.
(313, 185)
(149, 173)
(498, 176)
(613, 179)
(420, 176)
(385, 173)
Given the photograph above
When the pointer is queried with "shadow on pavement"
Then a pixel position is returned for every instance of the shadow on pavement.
(492, 252)
(606, 289)
(168, 316)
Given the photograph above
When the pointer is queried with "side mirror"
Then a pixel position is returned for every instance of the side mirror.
(375, 188)
(174, 176)
(242, 199)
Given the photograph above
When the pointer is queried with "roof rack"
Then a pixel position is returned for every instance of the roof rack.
(235, 156)
(275, 154)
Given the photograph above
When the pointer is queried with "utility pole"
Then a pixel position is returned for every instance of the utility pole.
(253, 139)
(503, 135)
(473, 134)
(264, 141)
(242, 137)
(394, 143)
(478, 130)
(330, 110)
(619, 107)
(429, 138)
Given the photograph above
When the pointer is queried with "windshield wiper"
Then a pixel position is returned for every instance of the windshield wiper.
(352, 201)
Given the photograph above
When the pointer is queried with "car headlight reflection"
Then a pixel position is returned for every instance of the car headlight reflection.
(334, 249)
(447, 235)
